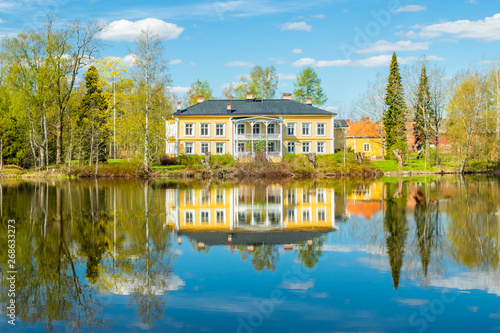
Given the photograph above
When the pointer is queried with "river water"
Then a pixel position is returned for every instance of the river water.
(395, 255)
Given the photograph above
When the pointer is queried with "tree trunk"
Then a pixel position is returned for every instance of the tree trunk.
(1, 154)
(399, 158)
(462, 167)
(59, 131)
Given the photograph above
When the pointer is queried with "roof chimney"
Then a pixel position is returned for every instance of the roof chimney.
(231, 97)
(287, 96)
(309, 101)
(249, 95)
(178, 105)
(348, 121)
(367, 118)
(229, 107)
(201, 99)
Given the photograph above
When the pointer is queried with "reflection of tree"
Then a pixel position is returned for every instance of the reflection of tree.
(473, 231)
(395, 224)
(265, 257)
(309, 255)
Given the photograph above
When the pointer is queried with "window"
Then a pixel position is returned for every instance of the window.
(205, 196)
(290, 215)
(306, 129)
(241, 129)
(271, 128)
(204, 129)
(188, 148)
(291, 196)
(189, 217)
(290, 129)
(189, 129)
(219, 148)
(320, 147)
(290, 147)
(321, 214)
(306, 198)
(256, 129)
(220, 196)
(306, 147)
(271, 146)
(320, 129)
(219, 130)
(242, 147)
(220, 216)
(189, 197)
(321, 195)
(306, 215)
(205, 147)
(366, 147)
(205, 216)
(242, 217)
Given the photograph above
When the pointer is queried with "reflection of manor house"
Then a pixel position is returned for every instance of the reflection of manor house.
(366, 200)
(296, 213)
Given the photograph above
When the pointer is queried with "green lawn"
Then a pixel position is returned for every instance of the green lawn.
(412, 165)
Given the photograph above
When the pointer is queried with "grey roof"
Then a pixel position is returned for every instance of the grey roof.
(252, 107)
(255, 238)
(341, 123)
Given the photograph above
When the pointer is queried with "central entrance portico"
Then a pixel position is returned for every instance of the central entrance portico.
(250, 132)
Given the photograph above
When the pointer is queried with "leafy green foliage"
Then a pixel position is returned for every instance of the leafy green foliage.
(263, 83)
(395, 116)
(308, 85)
(198, 88)
(222, 161)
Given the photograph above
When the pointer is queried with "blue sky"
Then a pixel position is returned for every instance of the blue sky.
(348, 42)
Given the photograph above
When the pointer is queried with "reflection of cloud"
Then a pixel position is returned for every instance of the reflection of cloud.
(299, 285)
(412, 302)
(487, 281)
(128, 285)
(371, 249)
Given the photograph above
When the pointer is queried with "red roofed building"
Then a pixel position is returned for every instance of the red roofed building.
(365, 137)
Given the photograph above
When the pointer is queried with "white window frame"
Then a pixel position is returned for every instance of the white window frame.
(220, 211)
(191, 212)
(190, 144)
(205, 211)
(369, 147)
(193, 127)
(309, 214)
(291, 144)
(293, 127)
(307, 196)
(294, 211)
(192, 195)
(217, 144)
(244, 129)
(308, 127)
(244, 144)
(291, 193)
(223, 130)
(324, 147)
(318, 128)
(207, 128)
(201, 147)
(304, 144)
(202, 191)
(223, 191)
(269, 126)
(323, 211)
(258, 127)
(321, 191)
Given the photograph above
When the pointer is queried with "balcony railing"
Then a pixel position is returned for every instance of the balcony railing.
(252, 154)
(250, 136)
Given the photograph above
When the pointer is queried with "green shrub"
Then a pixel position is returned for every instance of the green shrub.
(299, 163)
(168, 160)
(222, 161)
(191, 160)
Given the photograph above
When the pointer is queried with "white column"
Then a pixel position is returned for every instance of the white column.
(231, 152)
(231, 209)
(333, 134)
(177, 136)
(266, 123)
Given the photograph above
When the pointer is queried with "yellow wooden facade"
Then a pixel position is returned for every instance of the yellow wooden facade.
(359, 144)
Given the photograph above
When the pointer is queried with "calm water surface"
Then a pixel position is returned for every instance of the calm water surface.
(416, 255)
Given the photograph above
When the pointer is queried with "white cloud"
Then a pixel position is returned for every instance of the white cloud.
(297, 51)
(296, 26)
(175, 62)
(238, 64)
(412, 301)
(487, 29)
(376, 61)
(410, 8)
(299, 285)
(179, 90)
(282, 76)
(6, 6)
(319, 16)
(124, 30)
(383, 46)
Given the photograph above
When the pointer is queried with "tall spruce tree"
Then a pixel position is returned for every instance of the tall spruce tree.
(395, 116)
(423, 113)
